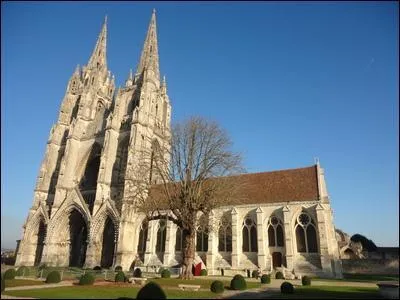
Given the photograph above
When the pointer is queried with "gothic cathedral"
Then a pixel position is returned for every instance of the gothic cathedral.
(82, 216)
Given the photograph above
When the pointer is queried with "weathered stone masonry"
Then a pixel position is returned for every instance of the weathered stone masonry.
(81, 213)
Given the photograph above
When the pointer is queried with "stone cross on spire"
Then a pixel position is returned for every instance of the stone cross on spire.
(99, 55)
(149, 57)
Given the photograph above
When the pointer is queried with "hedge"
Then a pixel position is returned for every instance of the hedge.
(217, 287)
(151, 291)
(165, 273)
(10, 274)
(53, 277)
(305, 280)
(86, 279)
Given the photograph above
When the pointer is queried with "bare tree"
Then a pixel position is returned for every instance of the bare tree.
(186, 179)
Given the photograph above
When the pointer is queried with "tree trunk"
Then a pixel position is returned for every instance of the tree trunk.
(188, 255)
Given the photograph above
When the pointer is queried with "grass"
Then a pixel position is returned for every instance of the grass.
(22, 282)
(102, 292)
(204, 283)
(370, 277)
(332, 292)
(361, 278)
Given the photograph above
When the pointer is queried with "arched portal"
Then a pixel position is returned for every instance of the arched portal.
(40, 242)
(107, 252)
(78, 236)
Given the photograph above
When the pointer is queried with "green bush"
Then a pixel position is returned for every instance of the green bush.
(165, 273)
(287, 288)
(265, 278)
(53, 277)
(22, 270)
(305, 280)
(151, 291)
(3, 283)
(279, 275)
(97, 268)
(42, 267)
(203, 272)
(238, 283)
(254, 274)
(217, 287)
(120, 277)
(118, 268)
(10, 274)
(160, 270)
(137, 273)
(86, 279)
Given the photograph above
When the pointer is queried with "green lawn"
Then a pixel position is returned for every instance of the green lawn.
(102, 292)
(204, 283)
(22, 282)
(370, 277)
(332, 292)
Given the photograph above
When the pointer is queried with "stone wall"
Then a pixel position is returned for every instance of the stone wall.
(371, 266)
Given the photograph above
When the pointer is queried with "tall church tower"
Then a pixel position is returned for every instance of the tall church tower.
(82, 210)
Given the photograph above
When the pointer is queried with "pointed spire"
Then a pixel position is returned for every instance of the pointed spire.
(99, 53)
(149, 56)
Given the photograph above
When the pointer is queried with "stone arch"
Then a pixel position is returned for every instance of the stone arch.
(305, 232)
(68, 233)
(35, 235)
(88, 180)
(119, 167)
(249, 232)
(225, 233)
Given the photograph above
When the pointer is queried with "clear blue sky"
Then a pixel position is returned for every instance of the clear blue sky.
(289, 81)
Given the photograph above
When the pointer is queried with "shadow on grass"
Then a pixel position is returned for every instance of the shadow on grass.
(322, 292)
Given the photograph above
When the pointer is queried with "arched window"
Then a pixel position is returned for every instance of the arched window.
(161, 235)
(306, 234)
(225, 238)
(202, 239)
(179, 239)
(249, 233)
(275, 232)
(142, 237)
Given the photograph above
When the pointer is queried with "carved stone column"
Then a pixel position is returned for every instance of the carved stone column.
(236, 251)
(323, 241)
(212, 243)
(151, 241)
(288, 238)
(260, 239)
(169, 243)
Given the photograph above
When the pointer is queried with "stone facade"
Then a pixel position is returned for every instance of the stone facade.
(83, 215)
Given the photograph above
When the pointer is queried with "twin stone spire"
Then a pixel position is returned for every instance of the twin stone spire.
(149, 59)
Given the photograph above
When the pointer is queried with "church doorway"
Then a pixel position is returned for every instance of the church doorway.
(78, 237)
(40, 243)
(276, 259)
(107, 251)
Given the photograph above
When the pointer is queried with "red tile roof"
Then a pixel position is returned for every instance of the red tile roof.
(279, 186)
(271, 187)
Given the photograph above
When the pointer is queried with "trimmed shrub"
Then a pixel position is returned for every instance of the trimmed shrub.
(118, 268)
(217, 287)
(265, 278)
(53, 277)
(22, 270)
(238, 283)
(137, 273)
(120, 277)
(10, 274)
(97, 268)
(203, 272)
(3, 283)
(86, 279)
(287, 288)
(254, 274)
(279, 275)
(151, 291)
(305, 280)
(165, 273)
